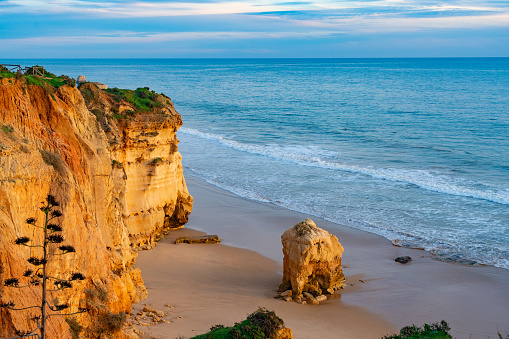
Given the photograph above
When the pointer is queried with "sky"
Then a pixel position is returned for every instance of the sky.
(253, 29)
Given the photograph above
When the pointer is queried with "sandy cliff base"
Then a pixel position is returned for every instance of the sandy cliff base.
(218, 284)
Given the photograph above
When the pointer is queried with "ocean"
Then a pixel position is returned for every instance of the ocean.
(414, 150)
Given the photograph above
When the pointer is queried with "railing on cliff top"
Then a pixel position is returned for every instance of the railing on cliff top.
(34, 70)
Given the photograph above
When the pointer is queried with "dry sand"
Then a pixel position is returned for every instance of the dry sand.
(222, 284)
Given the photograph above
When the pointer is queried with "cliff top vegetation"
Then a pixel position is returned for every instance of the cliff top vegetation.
(38, 75)
(123, 104)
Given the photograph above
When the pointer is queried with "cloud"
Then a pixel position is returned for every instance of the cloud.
(216, 25)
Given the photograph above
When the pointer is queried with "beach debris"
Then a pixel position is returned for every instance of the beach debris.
(149, 316)
(201, 239)
(312, 261)
(403, 260)
(149, 309)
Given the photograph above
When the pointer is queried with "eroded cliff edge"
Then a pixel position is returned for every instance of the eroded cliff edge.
(115, 169)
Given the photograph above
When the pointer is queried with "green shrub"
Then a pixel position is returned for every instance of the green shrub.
(142, 99)
(98, 113)
(7, 128)
(5, 73)
(141, 94)
(87, 94)
(427, 331)
(262, 324)
(116, 164)
(156, 161)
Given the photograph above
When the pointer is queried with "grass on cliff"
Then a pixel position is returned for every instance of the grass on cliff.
(262, 324)
(427, 331)
(7, 75)
(143, 99)
(48, 78)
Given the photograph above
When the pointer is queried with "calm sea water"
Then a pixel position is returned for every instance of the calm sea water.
(411, 149)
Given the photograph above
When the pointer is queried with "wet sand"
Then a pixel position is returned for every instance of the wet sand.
(222, 284)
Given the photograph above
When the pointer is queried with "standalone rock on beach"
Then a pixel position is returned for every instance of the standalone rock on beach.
(312, 260)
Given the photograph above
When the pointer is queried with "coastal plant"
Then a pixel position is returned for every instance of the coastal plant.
(427, 331)
(303, 228)
(261, 324)
(53, 159)
(38, 275)
(6, 73)
(4, 69)
(7, 128)
(156, 161)
(116, 164)
(106, 322)
(75, 327)
(142, 99)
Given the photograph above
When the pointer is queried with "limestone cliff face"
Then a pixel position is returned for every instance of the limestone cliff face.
(119, 181)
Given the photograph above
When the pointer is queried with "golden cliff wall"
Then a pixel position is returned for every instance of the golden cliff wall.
(120, 184)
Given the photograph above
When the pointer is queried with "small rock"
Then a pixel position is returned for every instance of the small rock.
(145, 324)
(330, 290)
(303, 302)
(138, 331)
(169, 306)
(180, 317)
(307, 295)
(313, 301)
(148, 308)
(362, 281)
(403, 260)
(160, 313)
(165, 321)
(287, 293)
(321, 298)
(298, 298)
(287, 298)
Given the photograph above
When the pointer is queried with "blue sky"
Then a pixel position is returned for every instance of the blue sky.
(257, 28)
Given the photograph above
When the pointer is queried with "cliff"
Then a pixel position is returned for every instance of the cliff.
(115, 168)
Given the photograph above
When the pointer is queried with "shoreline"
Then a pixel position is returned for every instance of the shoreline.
(473, 300)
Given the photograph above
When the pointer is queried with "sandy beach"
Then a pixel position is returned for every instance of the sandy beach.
(222, 284)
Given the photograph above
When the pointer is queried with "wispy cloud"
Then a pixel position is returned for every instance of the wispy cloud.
(227, 23)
